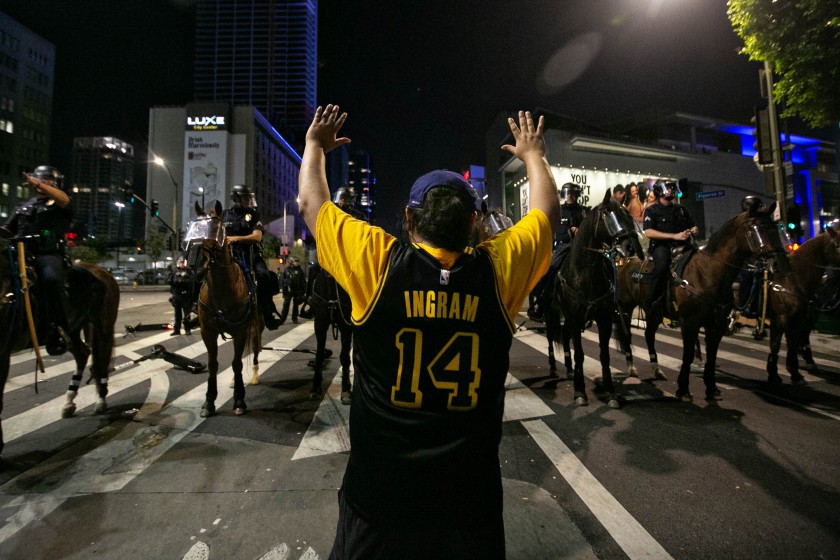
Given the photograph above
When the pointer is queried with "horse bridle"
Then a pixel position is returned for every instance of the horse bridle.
(608, 218)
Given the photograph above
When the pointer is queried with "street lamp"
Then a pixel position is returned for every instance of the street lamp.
(119, 206)
(157, 160)
(199, 193)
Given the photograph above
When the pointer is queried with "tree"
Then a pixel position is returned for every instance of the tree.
(801, 39)
(155, 243)
(270, 245)
(85, 253)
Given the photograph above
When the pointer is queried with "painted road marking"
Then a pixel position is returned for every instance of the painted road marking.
(94, 472)
(633, 539)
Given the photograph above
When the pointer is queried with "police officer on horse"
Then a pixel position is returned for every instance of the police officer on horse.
(571, 217)
(45, 219)
(667, 225)
(244, 230)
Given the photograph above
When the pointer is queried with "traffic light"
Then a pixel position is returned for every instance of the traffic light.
(761, 131)
(153, 209)
(281, 260)
(794, 222)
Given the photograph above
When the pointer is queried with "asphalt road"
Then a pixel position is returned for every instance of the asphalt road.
(756, 475)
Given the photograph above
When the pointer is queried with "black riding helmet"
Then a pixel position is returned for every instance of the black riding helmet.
(572, 189)
(346, 194)
(49, 173)
(661, 188)
(751, 201)
(243, 195)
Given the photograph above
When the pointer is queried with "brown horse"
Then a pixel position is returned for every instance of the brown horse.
(791, 301)
(92, 310)
(702, 297)
(225, 305)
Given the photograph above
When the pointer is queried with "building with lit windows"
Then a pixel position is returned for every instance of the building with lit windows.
(262, 53)
(349, 166)
(712, 160)
(204, 150)
(27, 69)
(103, 171)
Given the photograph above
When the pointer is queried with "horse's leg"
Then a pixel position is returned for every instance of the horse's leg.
(714, 334)
(256, 344)
(651, 324)
(552, 337)
(776, 330)
(805, 350)
(322, 324)
(625, 339)
(566, 337)
(4, 375)
(579, 383)
(793, 339)
(209, 335)
(240, 340)
(80, 352)
(605, 326)
(101, 343)
(690, 333)
(346, 342)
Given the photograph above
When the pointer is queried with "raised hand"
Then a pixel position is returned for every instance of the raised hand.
(529, 138)
(323, 132)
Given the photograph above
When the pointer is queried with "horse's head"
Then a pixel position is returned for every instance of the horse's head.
(205, 236)
(491, 223)
(760, 234)
(832, 243)
(615, 228)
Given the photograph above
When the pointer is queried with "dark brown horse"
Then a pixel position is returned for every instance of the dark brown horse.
(702, 297)
(791, 299)
(586, 287)
(331, 309)
(225, 306)
(92, 311)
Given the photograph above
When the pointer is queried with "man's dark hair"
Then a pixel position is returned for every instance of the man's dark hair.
(444, 220)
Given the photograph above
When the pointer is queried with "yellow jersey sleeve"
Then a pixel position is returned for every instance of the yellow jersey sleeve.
(354, 252)
(521, 255)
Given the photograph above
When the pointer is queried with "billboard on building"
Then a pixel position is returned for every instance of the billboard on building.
(205, 156)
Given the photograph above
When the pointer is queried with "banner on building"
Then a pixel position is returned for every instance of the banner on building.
(205, 157)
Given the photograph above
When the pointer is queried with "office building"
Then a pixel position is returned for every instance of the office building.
(262, 53)
(27, 69)
(103, 171)
(206, 149)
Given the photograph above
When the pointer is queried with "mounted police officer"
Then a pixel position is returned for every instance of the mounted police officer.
(47, 218)
(571, 217)
(244, 231)
(667, 225)
(345, 198)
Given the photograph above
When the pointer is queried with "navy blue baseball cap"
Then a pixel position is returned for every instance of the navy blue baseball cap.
(439, 178)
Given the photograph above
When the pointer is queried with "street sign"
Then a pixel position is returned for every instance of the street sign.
(710, 194)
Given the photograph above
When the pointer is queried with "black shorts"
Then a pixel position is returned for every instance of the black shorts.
(473, 537)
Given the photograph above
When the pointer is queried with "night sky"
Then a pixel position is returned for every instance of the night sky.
(421, 81)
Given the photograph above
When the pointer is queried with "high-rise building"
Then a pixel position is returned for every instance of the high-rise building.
(103, 170)
(27, 67)
(262, 53)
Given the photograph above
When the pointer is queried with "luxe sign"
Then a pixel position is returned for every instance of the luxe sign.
(213, 122)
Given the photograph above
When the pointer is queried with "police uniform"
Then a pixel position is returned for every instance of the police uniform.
(184, 290)
(431, 344)
(49, 221)
(241, 221)
(294, 289)
(672, 218)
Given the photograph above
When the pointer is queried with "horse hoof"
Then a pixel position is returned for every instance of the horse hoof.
(240, 410)
(811, 368)
(255, 380)
(659, 375)
(798, 380)
(632, 372)
(774, 380)
(314, 396)
(68, 411)
(207, 411)
(613, 402)
(685, 397)
(101, 407)
(714, 396)
(581, 400)
(345, 397)
(696, 368)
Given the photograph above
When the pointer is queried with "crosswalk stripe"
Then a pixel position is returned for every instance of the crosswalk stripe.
(94, 472)
(628, 533)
